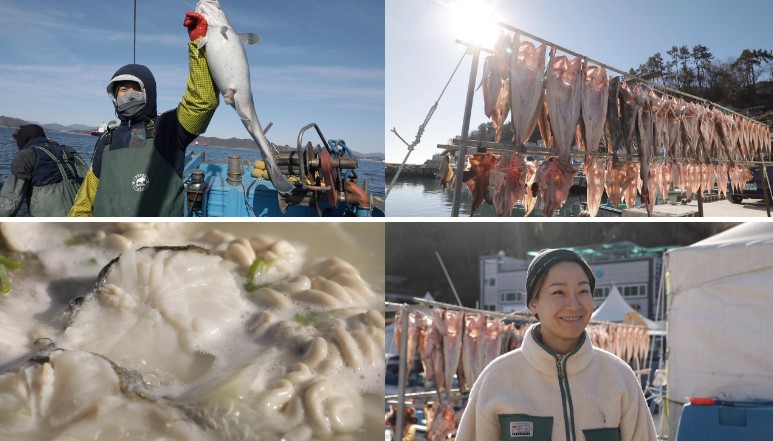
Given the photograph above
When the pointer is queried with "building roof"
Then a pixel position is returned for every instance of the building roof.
(615, 251)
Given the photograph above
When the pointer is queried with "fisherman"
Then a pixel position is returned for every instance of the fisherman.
(137, 166)
(44, 173)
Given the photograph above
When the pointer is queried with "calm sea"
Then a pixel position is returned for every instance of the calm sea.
(373, 171)
(425, 197)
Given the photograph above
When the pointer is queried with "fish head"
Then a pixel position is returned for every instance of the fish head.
(211, 10)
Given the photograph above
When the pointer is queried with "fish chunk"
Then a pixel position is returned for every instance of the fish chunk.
(554, 178)
(508, 182)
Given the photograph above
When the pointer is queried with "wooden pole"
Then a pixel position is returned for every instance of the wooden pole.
(765, 192)
(465, 129)
(700, 202)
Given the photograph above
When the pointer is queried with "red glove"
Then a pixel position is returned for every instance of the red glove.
(196, 24)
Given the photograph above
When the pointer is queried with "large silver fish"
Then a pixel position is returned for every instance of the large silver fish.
(231, 73)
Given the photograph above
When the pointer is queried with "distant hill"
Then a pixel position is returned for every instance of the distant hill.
(7, 121)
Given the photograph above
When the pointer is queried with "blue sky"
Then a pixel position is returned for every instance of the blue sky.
(421, 52)
(318, 61)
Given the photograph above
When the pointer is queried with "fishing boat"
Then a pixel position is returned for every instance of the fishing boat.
(101, 129)
(325, 179)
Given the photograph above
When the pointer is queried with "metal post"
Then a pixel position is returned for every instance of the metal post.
(401, 373)
(465, 129)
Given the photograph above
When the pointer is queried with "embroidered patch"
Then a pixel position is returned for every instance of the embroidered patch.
(140, 182)
(521, 428)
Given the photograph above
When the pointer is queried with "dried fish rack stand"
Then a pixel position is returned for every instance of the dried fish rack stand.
(454, 394)
(461, 145)
(424, 304)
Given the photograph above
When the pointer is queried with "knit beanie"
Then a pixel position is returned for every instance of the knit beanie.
(26, 133)
(545, 260)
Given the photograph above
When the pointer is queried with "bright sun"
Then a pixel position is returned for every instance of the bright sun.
(473, 21)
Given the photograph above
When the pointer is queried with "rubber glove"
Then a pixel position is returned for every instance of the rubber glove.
(196, 24)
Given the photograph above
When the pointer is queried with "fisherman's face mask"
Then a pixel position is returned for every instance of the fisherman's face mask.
(130, 104)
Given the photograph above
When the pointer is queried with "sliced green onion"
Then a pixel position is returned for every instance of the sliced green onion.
(12, 264)
(5, 280)
(258, 267)
(305, 318)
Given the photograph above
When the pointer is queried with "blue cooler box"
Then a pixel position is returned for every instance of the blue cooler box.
(726, 421)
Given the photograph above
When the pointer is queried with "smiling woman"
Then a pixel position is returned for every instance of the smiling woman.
(559, 285)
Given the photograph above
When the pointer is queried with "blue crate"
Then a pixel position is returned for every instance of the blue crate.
(726, 421)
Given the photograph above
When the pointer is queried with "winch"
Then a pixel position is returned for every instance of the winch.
(327, 170)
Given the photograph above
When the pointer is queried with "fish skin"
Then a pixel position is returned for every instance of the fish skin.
(615, 180)
(527, 72)
(612, 128)
(230, 72)
(629, 109)
(563, 90)
(481, 165)
(508, 182)
(595, 175)
(529, 197)
(452, 344)
(543, 123)
(595, 99)
(645, 138)
(554, 178)
(446, 172)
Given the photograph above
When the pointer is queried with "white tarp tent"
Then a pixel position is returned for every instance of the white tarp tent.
(615, 308)
(720, 295)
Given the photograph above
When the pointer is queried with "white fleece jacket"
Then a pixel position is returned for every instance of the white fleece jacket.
(517, 395)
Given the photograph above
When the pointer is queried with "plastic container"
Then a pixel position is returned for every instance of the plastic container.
(741, 421)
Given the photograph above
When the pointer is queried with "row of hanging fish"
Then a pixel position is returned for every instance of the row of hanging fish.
(452, 343)
(572, 104)
(630, 343)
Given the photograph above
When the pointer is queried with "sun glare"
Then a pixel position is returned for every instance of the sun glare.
(473, 21)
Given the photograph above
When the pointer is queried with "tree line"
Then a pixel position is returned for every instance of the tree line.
(733, 82)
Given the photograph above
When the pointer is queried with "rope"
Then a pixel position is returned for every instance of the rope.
(134, 49)
(421, 129)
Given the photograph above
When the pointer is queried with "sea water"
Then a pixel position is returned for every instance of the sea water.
(413, 196)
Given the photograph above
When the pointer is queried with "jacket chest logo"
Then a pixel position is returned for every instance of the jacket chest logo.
(521, 428)
(140, 182)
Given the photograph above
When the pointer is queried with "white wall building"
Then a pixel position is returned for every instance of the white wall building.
(633, 269)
